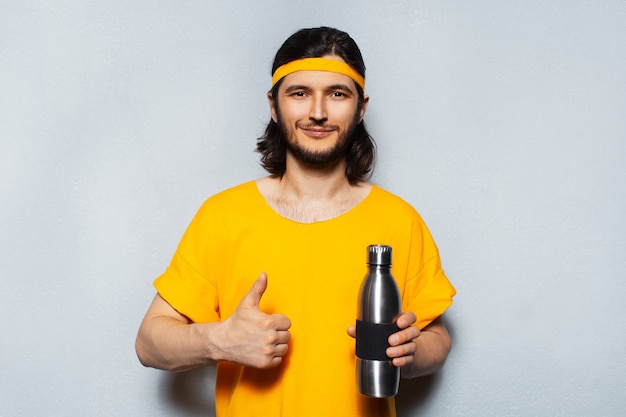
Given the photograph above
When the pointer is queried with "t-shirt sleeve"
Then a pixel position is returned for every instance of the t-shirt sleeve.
(428, 292)
(188, 283)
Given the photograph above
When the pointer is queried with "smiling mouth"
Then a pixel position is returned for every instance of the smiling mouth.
(317, 132)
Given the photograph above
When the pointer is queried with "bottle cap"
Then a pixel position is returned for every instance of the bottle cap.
(379, 255)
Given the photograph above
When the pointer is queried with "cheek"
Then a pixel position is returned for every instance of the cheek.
(346, 115)
(293, 113)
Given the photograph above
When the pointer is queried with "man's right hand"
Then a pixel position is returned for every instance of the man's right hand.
(252, 338)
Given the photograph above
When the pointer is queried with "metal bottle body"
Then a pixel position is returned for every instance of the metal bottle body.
(379, 306)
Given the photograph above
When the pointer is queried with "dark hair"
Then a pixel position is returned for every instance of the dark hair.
(312, 43)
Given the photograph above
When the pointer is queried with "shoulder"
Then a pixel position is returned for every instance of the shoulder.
(391, 201)
(228, 201)
(394, 209)
(242, 191)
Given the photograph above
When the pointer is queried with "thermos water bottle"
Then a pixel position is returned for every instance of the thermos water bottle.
(378, 308)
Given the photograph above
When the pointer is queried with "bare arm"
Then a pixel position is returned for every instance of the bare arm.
(421, 354)
(169, 340)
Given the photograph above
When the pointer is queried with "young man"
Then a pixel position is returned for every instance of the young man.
(265, 280)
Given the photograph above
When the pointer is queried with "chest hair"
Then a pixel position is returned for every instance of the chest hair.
(311, 211)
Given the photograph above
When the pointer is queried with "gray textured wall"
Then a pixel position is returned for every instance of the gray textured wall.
(501, 122)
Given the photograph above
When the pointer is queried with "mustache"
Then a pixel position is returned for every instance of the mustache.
(316, 125)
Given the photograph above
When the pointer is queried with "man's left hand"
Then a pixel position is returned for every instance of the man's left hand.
(402, 343)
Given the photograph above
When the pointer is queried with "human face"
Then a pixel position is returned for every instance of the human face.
(317, 112)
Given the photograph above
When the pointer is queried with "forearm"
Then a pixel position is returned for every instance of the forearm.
(170, 341)
(432, 348)
(166, 343)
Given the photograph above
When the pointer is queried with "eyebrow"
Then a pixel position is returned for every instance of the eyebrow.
(296, 87)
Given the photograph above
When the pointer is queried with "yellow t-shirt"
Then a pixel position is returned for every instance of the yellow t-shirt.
(314, 274)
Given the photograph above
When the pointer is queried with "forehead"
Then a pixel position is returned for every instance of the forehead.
(318, 79)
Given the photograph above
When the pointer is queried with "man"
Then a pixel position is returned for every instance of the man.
(265, 280)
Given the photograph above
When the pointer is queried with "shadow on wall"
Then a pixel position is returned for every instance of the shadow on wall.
(190, 393)
(415, 394)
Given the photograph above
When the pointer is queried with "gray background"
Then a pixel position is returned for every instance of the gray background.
(501, 122)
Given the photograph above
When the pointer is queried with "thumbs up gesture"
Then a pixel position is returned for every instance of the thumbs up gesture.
(251, 337)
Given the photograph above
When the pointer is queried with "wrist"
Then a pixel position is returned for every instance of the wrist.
(209, 346)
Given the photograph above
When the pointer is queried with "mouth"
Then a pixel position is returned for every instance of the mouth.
(317, 132)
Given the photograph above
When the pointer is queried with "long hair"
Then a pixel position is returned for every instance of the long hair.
(313, 43)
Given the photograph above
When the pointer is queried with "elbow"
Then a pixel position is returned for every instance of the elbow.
(141, 352)
(147, 359)
(445, 348)
(146, 350)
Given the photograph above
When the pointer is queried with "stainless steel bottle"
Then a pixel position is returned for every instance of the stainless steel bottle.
(378, 308)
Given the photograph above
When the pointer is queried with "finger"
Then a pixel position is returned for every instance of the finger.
(281, 322)
(352, 331)
(275, 361)
(404, 336)
(406, 319)
(276, 357)
(281, 350)
(282, 337)
(405, 349)
(253, 298)
(402, 361)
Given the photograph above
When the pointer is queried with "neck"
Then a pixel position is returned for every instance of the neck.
(305, 182)
(308, 194)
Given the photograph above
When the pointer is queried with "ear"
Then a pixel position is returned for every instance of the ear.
(272, 103)
(366, 100)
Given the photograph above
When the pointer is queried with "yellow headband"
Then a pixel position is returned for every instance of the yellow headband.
(317, 64)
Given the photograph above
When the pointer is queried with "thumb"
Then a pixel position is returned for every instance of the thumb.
(352, 331)
(253, 298)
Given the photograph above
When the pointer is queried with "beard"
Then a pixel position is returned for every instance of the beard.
(319, 156)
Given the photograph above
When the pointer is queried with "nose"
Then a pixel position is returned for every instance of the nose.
(318, 109)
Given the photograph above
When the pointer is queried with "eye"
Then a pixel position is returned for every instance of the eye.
(298, 94)
(339, 95)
